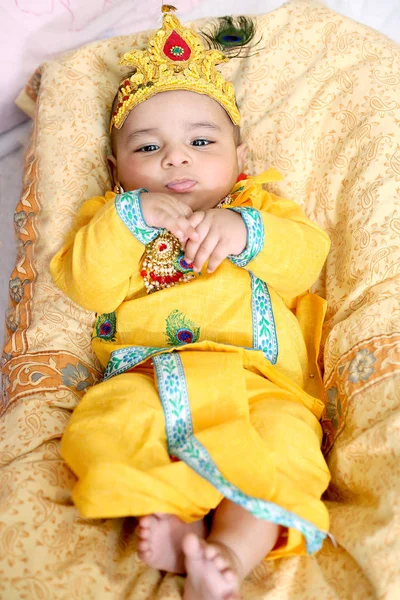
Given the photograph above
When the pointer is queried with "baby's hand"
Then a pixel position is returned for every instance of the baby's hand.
(221, 232)
(165, 211)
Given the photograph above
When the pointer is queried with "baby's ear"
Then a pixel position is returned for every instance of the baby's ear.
(241, 153)
(112, 165)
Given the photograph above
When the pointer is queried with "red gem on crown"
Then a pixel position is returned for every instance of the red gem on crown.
(175, 48)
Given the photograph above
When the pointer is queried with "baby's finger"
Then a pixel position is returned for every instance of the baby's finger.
(196, 218)
(205, 250)
(184, 209)
(189, 231)
(216, 257)
(202, 229)
(179, 226)
(192, 244)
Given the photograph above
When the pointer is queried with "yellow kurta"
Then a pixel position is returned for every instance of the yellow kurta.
(238, 405)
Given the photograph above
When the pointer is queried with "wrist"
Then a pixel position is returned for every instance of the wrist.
(253, 223)
(129, 209)
(240, 242)
(145, 204)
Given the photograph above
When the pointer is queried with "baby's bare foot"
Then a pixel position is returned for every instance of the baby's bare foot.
(160, 541)
(211, 571)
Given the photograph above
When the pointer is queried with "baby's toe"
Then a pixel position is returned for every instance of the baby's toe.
(144, 534)
(192, 547)
(145, 522)
(230, 576)
(144, 545)
(221, 563)
(211, 552)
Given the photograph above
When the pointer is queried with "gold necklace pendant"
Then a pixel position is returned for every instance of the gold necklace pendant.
(164, 265)
(225, 201)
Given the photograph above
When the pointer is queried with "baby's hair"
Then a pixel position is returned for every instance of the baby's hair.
(236, 134)
(112, 128)
(236, 128)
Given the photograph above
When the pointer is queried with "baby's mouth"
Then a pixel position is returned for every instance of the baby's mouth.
(181, 185)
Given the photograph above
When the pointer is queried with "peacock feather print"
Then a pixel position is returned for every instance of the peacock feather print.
(234, 36)
(106, 326)
(180, 329)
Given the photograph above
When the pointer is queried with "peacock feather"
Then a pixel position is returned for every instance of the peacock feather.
(106, 326)
(180, 329)
(232, 35)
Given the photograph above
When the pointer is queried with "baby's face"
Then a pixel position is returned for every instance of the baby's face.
(180, 143)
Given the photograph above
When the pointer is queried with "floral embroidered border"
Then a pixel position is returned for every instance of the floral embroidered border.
(26, 373)
(123, 359)
(33, 85)
(174, 397)
(183, 445)
(362, 366)
(34, 372)
(18, 314)
(255, 235)
(130, 212)
(264, 330)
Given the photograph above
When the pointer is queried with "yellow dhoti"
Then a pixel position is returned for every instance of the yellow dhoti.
(237, 435)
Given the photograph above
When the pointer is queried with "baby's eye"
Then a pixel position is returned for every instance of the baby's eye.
(148, 148)
(201, 142)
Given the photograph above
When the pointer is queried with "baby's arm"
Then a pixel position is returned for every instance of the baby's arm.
(98, 266)
(285, 249)
(278, 244)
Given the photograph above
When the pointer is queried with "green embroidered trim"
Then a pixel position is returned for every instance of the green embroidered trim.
(106, 327)
(264, 330)
(180, 329)
(124, 359)
(130, 212)
(255, 235)
(182, 443)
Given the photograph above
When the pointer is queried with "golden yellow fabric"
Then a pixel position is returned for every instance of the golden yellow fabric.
(292, 256)
(320, 103)
(260, 436)
(99, 267)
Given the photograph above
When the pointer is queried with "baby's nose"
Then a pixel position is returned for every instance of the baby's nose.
(176, 157)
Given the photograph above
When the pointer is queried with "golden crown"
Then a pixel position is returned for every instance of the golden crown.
(175, 59)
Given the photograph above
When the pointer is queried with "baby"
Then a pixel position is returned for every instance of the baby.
(210, 401)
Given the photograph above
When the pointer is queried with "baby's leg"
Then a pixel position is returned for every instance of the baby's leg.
(160, 540)
(236, 544)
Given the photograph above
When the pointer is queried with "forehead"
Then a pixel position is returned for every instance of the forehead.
(178, 105)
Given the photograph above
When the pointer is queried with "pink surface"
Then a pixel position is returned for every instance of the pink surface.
(35, 30)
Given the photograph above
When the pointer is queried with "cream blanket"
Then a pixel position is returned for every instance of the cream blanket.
(320, 102)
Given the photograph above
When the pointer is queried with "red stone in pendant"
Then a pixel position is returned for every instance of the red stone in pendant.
(143, 273)
(175, 48)
(162, 247)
